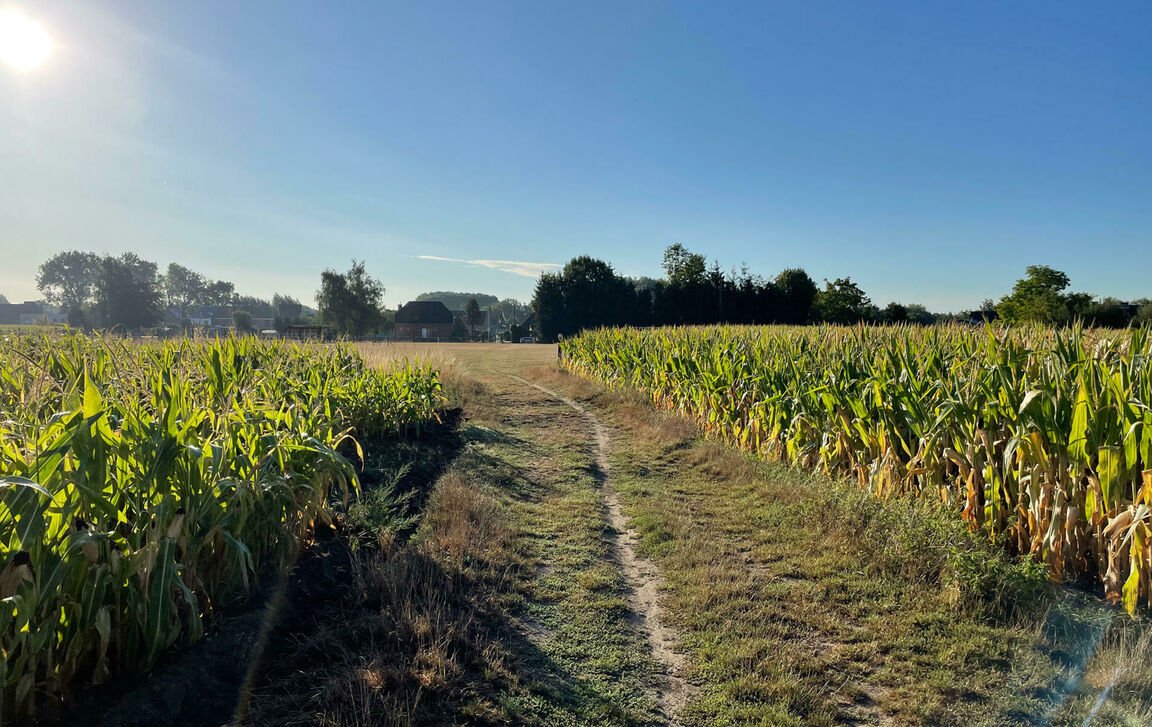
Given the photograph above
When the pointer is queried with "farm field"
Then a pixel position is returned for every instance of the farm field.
(140, 485)
(572, 555)
(1041, 439)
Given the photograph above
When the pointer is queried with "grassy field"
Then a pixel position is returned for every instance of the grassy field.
(559, 552)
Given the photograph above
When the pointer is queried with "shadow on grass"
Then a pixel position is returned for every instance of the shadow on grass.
(200, 684)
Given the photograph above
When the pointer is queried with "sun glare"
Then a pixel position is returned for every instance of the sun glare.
(23, 42)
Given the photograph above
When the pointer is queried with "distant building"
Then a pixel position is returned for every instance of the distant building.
(980, 317)
(171, 318)
(27, 313)
(222, 319)
(423, 320)
(202, 315)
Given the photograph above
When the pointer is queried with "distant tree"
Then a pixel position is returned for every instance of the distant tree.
(287, 310)
(258, 307)
(183, 287)
(69, 279)
(3, 299)
(797, 293)
(242, 321)
(643, 283)
(689, 293)
(351, 302)
(919, 314)
(587, 293)
(549, 306)
(1037, 298)
(644, 302)
(508, 311)
(842, 301)
(1106, 313)
(78, 319)
(1143, 313)
(718, 291)
(128, 292)
(1079, 305)
(219, 292)
(459, 330)
(683, 267)
(894, 313)
(387, 321)
(457, 301)
(472, 315)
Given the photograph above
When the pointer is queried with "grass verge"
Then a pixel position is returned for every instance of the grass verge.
(803, 602)
(502, 608)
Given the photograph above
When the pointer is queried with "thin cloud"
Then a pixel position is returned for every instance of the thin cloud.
(515, 267)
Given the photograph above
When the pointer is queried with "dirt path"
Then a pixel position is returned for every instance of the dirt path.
(641, 574)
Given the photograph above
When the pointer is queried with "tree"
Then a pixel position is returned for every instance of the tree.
(128, 292)
(587, 293)
(843, 302)
(457, 301)
(919, 315)
(507, 311)
(77, 319)
(472, 315)
(351, 302)
(256, 306)
(287, 310)
(458, 329)
(1143, 313)
(894, 313)
(183, 287)
(549, 306)
(1037, 298)
(797, 294)
(683, 267)
(220, 292)
(69, 279)
(516, 332)
(1107, 313)
(242, 320)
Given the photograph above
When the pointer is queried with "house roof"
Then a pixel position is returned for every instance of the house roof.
(424, 311)
(28, 306)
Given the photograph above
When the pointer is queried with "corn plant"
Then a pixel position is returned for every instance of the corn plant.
(1040, 438)
(140, 484)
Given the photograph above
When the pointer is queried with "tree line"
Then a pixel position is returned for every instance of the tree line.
(130, 293)
(588, 293)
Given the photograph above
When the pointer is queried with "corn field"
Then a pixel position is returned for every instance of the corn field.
(142, 484)
(1041, 439)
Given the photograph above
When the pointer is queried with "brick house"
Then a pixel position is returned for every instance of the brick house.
(423, 320)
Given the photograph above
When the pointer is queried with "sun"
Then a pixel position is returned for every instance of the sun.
(23, 42)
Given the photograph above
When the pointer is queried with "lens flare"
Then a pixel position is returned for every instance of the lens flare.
(23, 42)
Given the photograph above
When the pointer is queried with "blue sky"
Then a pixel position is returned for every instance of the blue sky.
(929, 150)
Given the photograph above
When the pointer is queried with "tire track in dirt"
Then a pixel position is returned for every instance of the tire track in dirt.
(641, 575)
